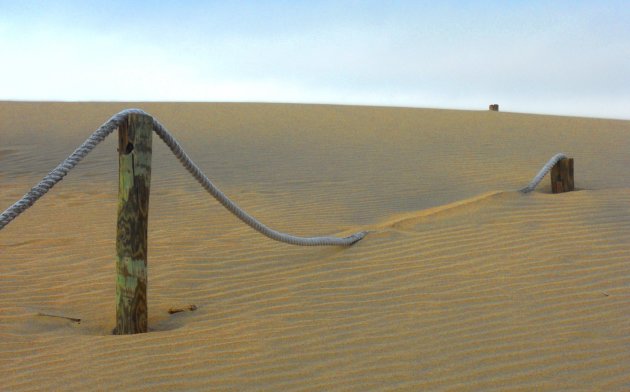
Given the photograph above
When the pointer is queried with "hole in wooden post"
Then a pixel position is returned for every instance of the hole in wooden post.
(129, 148)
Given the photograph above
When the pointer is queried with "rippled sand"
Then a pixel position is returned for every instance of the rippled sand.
(462, 284)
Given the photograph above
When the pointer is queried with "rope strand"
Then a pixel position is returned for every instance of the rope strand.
(205, 182)
(113, 123)
(543, 172)
(101, 133)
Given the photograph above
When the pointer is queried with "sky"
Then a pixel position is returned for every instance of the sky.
(549, 57)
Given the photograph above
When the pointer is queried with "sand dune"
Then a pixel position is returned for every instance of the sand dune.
(462, 284)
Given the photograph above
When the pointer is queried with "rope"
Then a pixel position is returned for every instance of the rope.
(543, 172)
(236, 210)
(107, 128)
(60, 171)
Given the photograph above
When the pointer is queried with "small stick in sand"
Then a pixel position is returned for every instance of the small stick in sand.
(177, 310)
(74, 320)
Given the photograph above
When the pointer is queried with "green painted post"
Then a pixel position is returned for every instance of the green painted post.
(134, 179)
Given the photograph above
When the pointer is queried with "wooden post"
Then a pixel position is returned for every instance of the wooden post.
(134, 178)
(562, 176)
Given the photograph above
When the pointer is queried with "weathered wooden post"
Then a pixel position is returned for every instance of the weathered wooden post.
(134, 178)
(562, 176)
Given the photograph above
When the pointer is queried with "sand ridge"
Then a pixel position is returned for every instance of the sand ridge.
(462, 284)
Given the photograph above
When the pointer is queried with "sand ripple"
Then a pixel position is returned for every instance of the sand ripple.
(462, 284)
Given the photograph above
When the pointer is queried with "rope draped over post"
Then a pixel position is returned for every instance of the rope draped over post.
(113, 123)
(135, 149)
(543, 172)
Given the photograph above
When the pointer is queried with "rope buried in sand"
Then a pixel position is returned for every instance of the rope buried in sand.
(107, 128)
(543, 172)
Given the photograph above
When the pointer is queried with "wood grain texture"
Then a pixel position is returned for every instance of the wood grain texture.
(562, 176)
(134, 153)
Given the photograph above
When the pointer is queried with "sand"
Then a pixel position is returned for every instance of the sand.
(462, 284)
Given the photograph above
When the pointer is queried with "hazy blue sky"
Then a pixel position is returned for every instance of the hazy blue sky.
(560, 57)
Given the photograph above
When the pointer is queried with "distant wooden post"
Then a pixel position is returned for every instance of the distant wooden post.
(134, 178)
(562, 176)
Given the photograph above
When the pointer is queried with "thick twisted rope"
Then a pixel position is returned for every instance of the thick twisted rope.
(543, 172)
(101, 133)
(236, 210)
(60, 171)
(108, 127)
